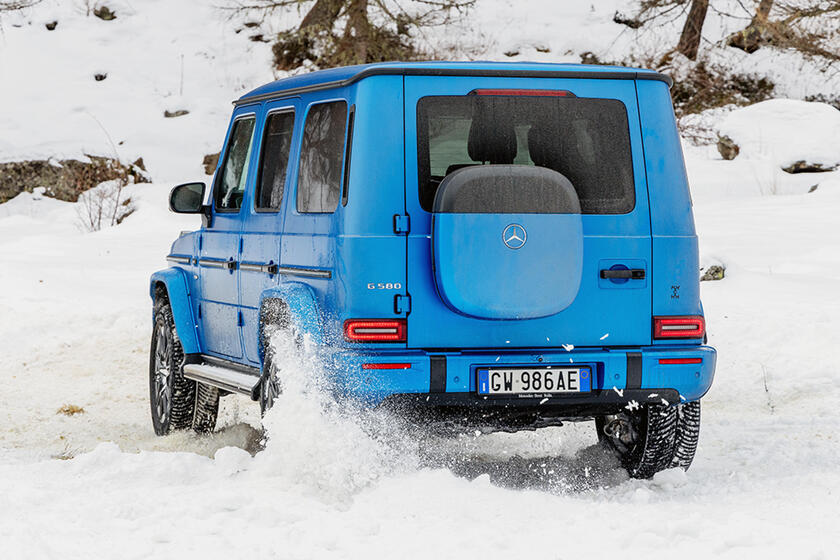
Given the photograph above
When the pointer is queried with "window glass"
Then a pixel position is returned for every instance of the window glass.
(234, 172)
(275, 159)
(586, 140)
(319, 178)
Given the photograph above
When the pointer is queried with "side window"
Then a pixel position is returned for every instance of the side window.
(319, 178)
(234, 171)
(275, 160)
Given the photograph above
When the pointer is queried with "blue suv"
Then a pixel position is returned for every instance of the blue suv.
(477, 245)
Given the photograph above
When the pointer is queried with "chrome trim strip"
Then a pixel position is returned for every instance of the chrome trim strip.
(302, 271)
(180, 259)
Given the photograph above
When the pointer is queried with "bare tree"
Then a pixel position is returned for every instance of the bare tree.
(341, 32)
(692, 31)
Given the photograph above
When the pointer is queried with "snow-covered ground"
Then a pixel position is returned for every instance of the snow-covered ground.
(75, 327)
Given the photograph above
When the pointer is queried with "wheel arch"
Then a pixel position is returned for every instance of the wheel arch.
(172, 284)
(294, 302)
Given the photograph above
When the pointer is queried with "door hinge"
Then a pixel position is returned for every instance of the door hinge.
(402, 304)
(402, 224)
(239, 321)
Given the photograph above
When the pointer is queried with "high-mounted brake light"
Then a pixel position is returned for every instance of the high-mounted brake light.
(679, 327)
(375, 330)
(525, 92)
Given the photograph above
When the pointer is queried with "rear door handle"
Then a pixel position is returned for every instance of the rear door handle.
(624, 273)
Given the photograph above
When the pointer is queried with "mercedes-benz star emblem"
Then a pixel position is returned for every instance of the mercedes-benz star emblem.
(514, 236)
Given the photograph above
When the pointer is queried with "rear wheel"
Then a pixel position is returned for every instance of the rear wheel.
(688, 433)
(177, 403)
(642, 439)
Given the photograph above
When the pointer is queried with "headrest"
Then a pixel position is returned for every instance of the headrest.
(492, 140)
(544, 147)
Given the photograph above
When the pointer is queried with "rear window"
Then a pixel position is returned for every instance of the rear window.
(586, 140)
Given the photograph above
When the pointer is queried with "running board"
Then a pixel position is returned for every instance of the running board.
(224, 378)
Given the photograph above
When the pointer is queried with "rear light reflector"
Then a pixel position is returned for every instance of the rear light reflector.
(675, 361)
(375, 330)
(386, 366)
(679, 327)
(524, 92)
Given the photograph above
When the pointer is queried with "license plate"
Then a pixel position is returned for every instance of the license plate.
(534, 381)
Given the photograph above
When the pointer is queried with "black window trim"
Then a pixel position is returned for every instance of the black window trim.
(348, 152)
(275, 111)
(216, 180)
(300, 152)
(419, 145)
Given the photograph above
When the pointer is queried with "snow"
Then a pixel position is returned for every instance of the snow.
(324, 481)
(785, 131)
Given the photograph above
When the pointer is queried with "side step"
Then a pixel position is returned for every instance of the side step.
(224, 378)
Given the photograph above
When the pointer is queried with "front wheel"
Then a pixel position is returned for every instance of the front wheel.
(652, 438)
(177, 403)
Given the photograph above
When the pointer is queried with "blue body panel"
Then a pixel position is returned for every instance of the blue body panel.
(178, 292)
(373, 257)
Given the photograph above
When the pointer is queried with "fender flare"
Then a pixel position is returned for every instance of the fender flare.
(174, 282)
(302, 307)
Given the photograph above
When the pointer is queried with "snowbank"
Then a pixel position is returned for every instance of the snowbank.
(785, 131)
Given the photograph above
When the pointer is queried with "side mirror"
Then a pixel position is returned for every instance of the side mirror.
(187, 198)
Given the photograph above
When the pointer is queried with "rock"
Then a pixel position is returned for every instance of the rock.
(803, 166)
(251, 24)
(100, 77)
(813, 188)
(139, 164)
(210, 162)
(51, 25)
(258, 38)
(511, 53)
(176, 113)
(542, 48)
(104, 13)
(727, 147)
(714, 272)
(65, 179)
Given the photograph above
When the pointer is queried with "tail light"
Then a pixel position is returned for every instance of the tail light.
(524, 92)
(375, 330)
(679, 327)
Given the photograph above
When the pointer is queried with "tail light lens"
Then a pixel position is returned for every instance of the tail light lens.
(679, 327)
(680, 361)
(375, 330)
(386, 366)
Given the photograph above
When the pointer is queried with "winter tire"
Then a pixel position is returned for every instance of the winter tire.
(688, 433)
(177, 403)
(642, 439)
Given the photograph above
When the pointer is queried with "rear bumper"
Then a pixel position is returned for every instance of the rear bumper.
(447, 380)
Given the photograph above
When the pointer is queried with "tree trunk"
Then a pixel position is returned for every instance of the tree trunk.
(762, 12)
(322, 15)
(358, 29)
(693, 28)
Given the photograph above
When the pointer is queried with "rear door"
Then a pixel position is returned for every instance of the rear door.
(587, 130)
(262, 228)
